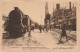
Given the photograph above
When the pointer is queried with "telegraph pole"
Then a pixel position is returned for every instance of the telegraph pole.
(41, 20)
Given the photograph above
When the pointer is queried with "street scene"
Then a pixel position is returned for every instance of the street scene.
(37, 39)
(56, 28)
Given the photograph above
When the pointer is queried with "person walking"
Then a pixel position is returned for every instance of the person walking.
(63, 34)
(29, 30)
(40, 29)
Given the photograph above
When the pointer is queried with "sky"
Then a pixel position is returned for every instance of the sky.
(34, 8)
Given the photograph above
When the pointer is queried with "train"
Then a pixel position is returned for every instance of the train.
(18, 23)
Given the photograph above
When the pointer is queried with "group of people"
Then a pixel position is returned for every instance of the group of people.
(41, 28)
(63, 33)
(29, 30)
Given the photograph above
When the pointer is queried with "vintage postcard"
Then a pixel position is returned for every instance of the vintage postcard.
(39, 25)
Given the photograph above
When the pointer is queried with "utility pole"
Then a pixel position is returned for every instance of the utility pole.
(41, 20)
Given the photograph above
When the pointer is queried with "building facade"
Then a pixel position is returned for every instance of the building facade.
(63, 15)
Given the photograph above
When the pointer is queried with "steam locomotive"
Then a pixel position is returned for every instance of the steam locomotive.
(18, 23)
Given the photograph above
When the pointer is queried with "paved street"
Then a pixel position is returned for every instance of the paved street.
(45, 38)
(48, 39)
(51, 38)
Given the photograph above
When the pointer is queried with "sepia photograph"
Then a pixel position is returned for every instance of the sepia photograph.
(41, 24)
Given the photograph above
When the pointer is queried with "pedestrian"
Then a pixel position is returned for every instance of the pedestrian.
(33, 28)
(29, 30)
(50, 27)
(40, 29)
(63, 34)
(47, 28)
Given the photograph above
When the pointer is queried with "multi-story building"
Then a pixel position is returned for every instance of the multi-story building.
(63, 15)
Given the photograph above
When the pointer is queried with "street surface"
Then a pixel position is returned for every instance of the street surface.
(48, 39)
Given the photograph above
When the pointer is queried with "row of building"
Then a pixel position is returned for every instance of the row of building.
(60, 16)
